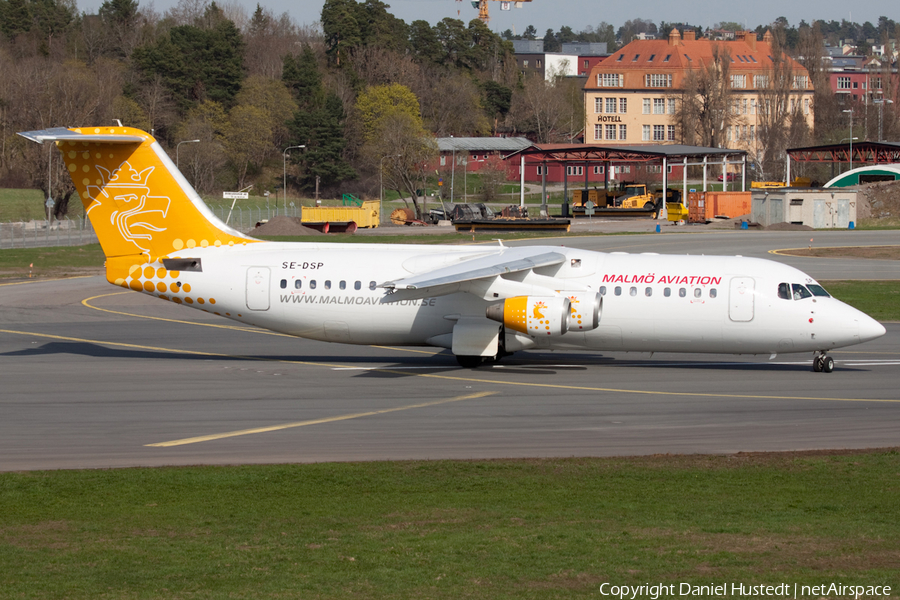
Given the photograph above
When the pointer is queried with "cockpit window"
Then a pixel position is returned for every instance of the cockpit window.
(818, 290)
(784, 291)
(800, 292)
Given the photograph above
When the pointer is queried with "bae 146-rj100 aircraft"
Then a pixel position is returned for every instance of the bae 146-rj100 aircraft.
(481, 302)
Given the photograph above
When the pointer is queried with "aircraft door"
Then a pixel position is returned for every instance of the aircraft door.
(258, 288)
(740, 299)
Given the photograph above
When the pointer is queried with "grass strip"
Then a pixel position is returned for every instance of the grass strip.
(541, 528)
(878, 299)
(57, 261)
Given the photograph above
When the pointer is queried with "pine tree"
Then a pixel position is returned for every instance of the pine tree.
(318, 124)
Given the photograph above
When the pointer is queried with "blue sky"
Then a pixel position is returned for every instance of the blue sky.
(578, 14)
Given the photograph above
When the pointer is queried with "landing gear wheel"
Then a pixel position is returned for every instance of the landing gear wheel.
(823, 364)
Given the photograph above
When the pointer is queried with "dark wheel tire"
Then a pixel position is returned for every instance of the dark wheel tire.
(469, 362)
(817, 364)
(828, 365)
(648, 205)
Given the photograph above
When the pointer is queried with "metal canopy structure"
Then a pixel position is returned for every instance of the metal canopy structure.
(663, 154)
(862, 152)
(876, 153)
(582, 152)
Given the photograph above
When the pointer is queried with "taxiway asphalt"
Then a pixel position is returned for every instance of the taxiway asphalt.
(94, 376)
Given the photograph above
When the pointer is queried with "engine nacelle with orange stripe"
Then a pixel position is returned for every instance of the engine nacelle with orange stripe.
(534, 315)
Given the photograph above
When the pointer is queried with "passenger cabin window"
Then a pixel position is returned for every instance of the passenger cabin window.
(283, 283)
(713, 293)
(602, 290)
(800, 292)
(618, 290)
(667, 292)
(327, 284)
(357, 285)
(371, 285)
(784, 291)
(682, 292)
(298, 283)
(633, 291)
(312, 284)
(697, 292)
(343, 285)
(648, 291)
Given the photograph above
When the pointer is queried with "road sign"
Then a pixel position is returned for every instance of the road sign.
(235, 195)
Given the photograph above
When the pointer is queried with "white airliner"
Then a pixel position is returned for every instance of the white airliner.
(482, 302)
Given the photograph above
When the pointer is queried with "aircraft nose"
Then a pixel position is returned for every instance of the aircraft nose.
(869, 328)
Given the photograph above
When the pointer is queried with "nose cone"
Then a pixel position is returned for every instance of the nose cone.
(869, 328)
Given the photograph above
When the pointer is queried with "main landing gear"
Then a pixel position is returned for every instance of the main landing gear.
(823, 363)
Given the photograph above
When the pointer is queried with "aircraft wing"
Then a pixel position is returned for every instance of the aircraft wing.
(472, 275)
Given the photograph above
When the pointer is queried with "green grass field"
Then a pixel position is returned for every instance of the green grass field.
(541, 528)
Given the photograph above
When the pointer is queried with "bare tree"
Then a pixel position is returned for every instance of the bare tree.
(202, 162)
(705, 108)
(403, 151)
(451, 104)
(539, 108)
(780, 119)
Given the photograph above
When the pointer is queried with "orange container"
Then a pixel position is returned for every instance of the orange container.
(706, 206)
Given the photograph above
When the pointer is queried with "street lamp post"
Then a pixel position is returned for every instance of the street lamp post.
(284, 173)
(881, 104)
(178, 145)
(850, 110)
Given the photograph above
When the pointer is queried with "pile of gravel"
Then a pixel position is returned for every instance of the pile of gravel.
(284, 226)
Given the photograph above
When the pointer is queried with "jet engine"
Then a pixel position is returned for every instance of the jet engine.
(585, 310)
(534, 315)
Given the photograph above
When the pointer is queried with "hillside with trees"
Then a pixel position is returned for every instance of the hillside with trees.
(364, 92)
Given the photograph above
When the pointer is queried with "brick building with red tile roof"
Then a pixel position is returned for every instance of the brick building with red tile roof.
(632, 96)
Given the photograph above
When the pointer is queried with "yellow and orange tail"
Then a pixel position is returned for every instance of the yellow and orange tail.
(140, 205)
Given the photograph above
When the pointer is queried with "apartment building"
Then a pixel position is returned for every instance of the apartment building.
(632, 96)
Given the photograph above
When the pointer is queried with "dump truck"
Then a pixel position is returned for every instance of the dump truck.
(628, 200)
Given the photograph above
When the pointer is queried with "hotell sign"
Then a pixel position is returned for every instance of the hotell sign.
(609, 119)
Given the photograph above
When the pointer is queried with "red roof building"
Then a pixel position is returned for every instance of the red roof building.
(633, 96)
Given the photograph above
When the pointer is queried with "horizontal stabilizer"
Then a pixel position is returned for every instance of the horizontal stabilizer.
(61, 134)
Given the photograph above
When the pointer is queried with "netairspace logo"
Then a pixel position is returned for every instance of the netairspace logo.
(733, 590)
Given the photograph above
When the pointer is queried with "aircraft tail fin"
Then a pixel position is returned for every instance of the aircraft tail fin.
(140, 205)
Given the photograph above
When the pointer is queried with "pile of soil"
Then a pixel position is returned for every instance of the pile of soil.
(284, 226)
(788, 227)
(878, 200)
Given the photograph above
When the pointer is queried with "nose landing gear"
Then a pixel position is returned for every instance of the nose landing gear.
(823, 363)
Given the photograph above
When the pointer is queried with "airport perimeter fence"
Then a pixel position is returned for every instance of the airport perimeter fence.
(37, 234)
(77, 231)
(246, 218)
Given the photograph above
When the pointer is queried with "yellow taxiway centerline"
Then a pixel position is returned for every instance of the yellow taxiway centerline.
(501, 382)
(219, 436)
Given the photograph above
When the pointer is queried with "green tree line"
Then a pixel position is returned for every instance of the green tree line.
(251, 86)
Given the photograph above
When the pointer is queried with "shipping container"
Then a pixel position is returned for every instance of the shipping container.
(706, 206)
